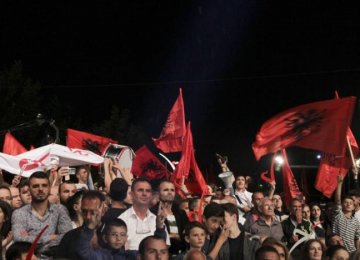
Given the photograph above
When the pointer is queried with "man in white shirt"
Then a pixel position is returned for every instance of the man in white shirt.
(139, 219)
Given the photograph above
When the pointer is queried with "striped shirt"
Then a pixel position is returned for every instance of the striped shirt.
(347, 228)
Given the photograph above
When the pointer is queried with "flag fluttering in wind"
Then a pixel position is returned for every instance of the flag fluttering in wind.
(12, 146)
(332, 165)
(172, 134)
(291, 188)
(320, 126)
(147, 165)
(189, 169)
(87, 141)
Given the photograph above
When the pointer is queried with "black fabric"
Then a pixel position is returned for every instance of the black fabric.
(112, 213)
(235, 247)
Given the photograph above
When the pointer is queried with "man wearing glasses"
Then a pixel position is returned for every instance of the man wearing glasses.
(140, 221)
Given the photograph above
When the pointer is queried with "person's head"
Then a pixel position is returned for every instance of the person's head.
(82, 174)
(295, 205)
(39, 187)
(153, 247)
(5, 194)
(115, 234)
(54, 195)
(231, 215)
(195, 234)
(194, 254)
(266, 207)
(18, 251)
(73, 205)
(5, 218)
(355, 194)
(25, 191)
(184, 205)
(166, 191)
(334, 239)
(347, 204)
(337, 252)
(266, 253)
(306, 212)
(315, 212)
(16, 200)
(280, 247)
(213, 216)
(92, 203)
(66, 190)
(141, 192)
(118, 189)
(240, 182)
(313, 250)
(194, 204)
(256, 199)
(278, 203)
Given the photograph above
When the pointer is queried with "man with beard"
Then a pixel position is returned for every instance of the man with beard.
(175, 219)
(28, 221)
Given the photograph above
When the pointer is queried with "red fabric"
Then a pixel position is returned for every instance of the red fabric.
(147, 165)
(290, 186)
(12, 146)
(270, 178)
(87, 141)
(34, 243)
(172, 135)
(189, 168)
(332, 165)
(319, 126)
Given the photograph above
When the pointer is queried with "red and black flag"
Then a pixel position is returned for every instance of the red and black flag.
(172, 135)
(147, 165)
(12, 146)
(320, 126)
(87, 141)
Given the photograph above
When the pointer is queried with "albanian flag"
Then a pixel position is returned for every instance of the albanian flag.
(87, 141)
(320, 126)
(172, 135)
(147, 165)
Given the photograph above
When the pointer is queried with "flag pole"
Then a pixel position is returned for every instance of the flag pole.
(356, 170)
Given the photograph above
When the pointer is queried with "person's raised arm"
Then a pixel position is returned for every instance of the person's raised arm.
(109, 176)
(340, 180)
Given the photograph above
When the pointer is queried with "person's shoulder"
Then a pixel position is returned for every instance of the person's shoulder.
(22, 210)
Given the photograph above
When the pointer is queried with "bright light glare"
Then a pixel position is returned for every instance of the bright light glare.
(318, 156)
(279, 160)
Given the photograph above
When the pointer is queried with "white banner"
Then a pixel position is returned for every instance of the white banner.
(39, 159)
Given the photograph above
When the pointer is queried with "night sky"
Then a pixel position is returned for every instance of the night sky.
(238, 62)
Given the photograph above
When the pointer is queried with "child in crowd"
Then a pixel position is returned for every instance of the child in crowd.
(114, 236)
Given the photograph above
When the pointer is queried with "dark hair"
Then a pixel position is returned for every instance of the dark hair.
(6, 227)
(163, 181)
(93, 194)
(270, 241)
(213, 210)
(231, 209)
(133, 184)
(16, 249)
(144, 242)
(113, 223)
(39, 175)
(192, 225)
(264, 249)
(192, 203)
(118, 189)
(71, 202)
(23, 182)
(331, 250)
(306, 248)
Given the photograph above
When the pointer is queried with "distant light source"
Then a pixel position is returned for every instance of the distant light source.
(279, 161)
(318, 156)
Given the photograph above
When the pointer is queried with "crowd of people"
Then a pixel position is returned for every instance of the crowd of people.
(134, 218)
